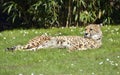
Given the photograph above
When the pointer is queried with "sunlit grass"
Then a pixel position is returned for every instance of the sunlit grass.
(102, 61)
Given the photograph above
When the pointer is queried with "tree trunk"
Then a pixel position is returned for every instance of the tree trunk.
(68, 22)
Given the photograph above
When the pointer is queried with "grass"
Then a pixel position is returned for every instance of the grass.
(102, 61)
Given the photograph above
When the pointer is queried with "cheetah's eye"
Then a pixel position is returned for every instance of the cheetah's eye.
(91, 29)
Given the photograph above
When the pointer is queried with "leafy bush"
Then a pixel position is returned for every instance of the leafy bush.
(47, 13)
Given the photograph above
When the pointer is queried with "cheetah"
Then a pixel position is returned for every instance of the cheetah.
(92, 39)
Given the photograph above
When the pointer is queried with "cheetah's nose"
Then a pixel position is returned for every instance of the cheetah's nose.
(86, 33)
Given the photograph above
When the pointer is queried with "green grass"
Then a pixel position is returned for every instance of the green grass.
(102, 61)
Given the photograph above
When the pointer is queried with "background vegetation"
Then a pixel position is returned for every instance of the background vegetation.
(48, 13)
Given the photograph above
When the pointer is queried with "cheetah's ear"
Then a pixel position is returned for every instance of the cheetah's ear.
(100, 24)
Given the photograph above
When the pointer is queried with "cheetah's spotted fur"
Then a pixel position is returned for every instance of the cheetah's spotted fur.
(92, 39)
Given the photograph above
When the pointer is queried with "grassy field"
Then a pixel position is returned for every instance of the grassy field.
(102, 61)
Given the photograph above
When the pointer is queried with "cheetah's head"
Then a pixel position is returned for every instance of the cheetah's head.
(93, 31)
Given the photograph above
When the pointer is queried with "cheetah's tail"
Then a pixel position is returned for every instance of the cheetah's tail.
(14, 48)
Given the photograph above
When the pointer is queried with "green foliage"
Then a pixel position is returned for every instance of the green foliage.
(47, 13)
(12, 9)
(102, 61)
(44, 12)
